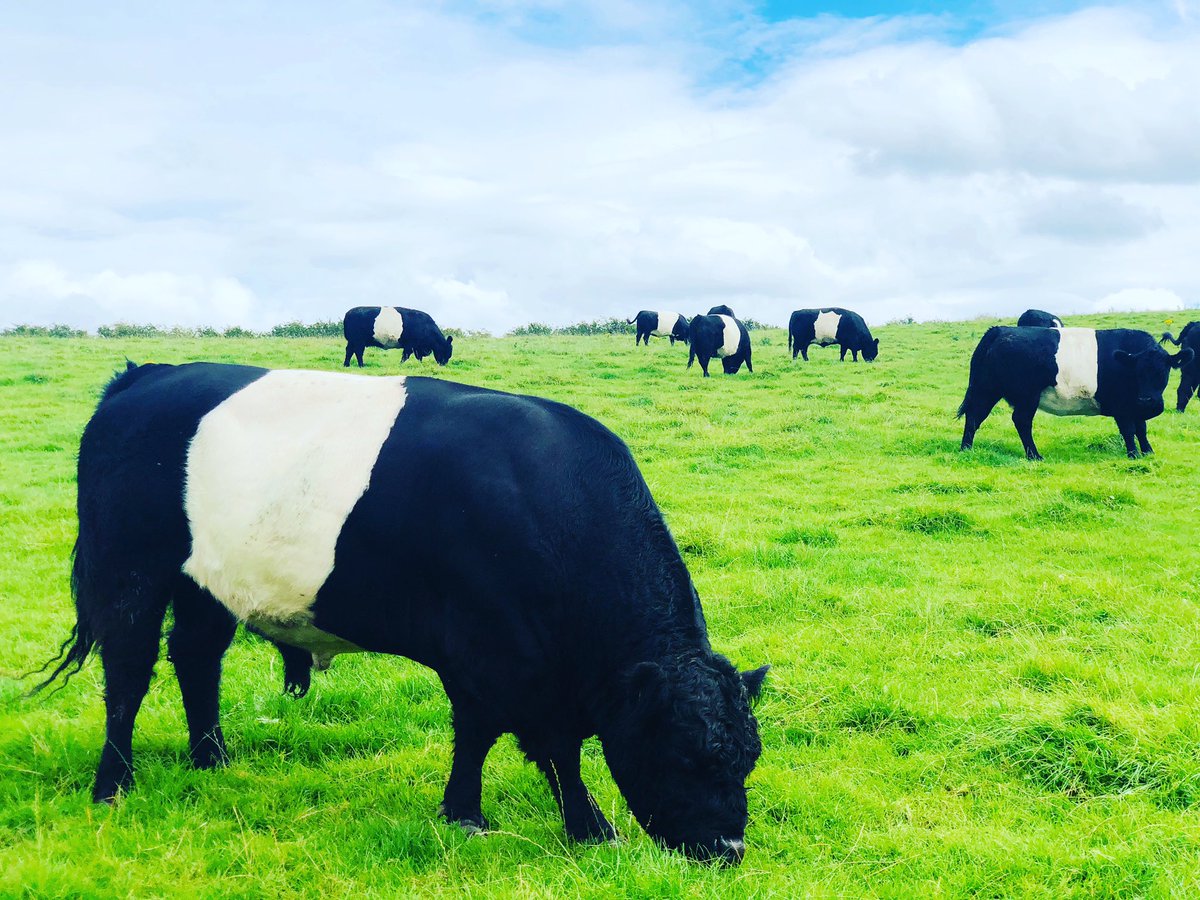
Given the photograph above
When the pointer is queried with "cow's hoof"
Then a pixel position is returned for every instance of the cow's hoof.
(471, 823)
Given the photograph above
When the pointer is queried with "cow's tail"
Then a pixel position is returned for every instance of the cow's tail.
(83, 637)
(89, 611)
(1167, 337)
(631, 321)
(789, 338)
(985, 344)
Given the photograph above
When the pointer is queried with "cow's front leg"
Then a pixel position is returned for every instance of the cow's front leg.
(1128, 429)
(559, 761)
(474, 736)
(1142, 439)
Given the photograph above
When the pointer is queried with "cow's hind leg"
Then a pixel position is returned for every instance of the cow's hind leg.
(1022, 417)
(349, 356)
(975, 409)
(474, 735)
(1187, 386)
(201, 635)
(128, 652)
(559, 761)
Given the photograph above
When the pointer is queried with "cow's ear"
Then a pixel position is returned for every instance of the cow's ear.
(754, 681)
(1124, 357)
(1182, 358)
(876, 343)
(449, 339)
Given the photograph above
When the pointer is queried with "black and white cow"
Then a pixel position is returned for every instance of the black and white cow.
(392, 328)
(831, 326)
(661, 324)
(1189, 372)
(1038, 318)
(720, 336)
(507, 542)
(1114, 372)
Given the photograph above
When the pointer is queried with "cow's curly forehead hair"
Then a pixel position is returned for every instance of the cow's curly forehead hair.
(702, 703)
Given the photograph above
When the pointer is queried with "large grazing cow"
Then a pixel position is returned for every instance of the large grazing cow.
(1189, 373)
(1115, 372)
(1038, 318)
(394, 327)
(720, 336)
(831, 326)
(660, 324)
(507, 542)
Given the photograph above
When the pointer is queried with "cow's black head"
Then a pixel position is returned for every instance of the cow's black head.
(1151, 369)
(680, 743)
(871, 350)
(442, 353)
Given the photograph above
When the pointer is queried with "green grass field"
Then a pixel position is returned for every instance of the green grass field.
(985, 682)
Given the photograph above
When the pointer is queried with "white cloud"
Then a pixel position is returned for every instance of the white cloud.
(233, 168)
(1138, 299)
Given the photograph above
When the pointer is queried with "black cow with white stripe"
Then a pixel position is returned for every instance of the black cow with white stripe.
(1115, 372)
(507, 542)
(833, 325)
(720, 336)
(659, 323)
(1039, 318)
(1189, 373)
(394, 328)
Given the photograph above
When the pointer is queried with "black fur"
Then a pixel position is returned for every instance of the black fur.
(852, 335)
(1037, 318)
(1189, 373)
(421, 335)
(708, 337)
(647, 324)
(722, 310)
(1017, 364)
(540, 582)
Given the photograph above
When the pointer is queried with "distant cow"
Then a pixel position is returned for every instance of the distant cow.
(391, 328)
(833, 325)
(719, 336)
(722, 310)
(1189, 377)
(1037, 318)
(660, 324)
(1114, 372)
(509, 543)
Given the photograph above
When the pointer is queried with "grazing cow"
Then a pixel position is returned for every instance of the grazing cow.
(394, 327)
(1189, 373)
(831, 326)
(661, 324)
(1037, 318)
(507, 542)
(722, 310)
(1114, 372)
(719, 336)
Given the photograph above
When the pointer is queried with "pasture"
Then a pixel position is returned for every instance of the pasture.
(985, 682)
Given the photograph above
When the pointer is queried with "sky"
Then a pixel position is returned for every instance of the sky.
(499, 162)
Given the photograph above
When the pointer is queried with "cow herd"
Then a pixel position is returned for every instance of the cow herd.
(509, 543)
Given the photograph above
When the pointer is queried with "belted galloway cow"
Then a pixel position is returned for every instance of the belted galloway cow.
(833, 325)
(1115, 372)
(660, 324)
(507, 542)
(392, 328)
(1189, 372)
(720, 336)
